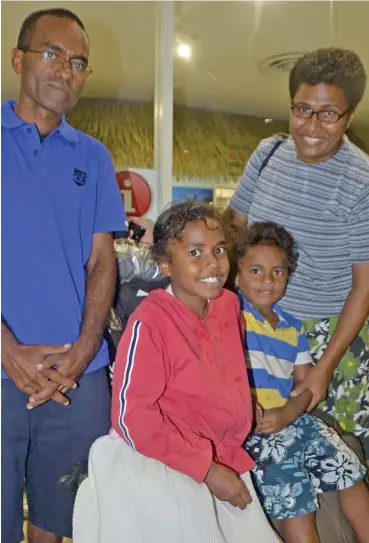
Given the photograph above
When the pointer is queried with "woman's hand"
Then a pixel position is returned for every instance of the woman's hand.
(227, 486)
(317, 380)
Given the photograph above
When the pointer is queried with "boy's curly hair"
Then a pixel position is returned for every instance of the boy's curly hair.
(267, 233)
(333, 66)
(171, 222)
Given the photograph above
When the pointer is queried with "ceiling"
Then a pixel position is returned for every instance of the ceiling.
(229, 40)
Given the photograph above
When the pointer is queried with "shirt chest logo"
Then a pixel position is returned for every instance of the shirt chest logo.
(79, 177)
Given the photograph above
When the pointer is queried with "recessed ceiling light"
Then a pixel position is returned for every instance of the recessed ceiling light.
(184, 50)
(283, 62)
(267, 121)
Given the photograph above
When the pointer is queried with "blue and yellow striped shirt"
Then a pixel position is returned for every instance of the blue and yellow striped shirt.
(273, 354)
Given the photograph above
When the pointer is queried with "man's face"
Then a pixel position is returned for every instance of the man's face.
(48, 84)
(315, 140)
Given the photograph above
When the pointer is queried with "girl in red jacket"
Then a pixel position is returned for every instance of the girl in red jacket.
(173, 469)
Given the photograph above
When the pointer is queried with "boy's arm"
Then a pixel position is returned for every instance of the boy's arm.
(303, 364)
(299, 404)
(277, 418)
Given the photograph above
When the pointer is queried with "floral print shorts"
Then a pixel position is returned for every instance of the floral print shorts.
(304, 459)
(348, 394)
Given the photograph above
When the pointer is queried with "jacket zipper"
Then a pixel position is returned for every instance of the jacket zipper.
(224, 377)
(217, 355)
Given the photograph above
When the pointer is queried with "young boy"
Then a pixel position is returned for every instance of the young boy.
(297, 455)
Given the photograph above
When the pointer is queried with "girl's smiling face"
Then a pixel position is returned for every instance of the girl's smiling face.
(198, 266)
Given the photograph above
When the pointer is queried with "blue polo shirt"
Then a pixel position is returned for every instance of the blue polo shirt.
(55, 196)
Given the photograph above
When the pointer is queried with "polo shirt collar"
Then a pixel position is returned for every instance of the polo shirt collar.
(67, 131)
(283, 322)
(9, 119)
(247, 306)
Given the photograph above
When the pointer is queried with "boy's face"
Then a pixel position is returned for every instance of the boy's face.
(199, 266)
(262, 275)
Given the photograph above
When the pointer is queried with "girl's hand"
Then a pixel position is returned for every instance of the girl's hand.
(227, 486)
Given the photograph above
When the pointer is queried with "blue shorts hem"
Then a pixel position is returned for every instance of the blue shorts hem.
(52, 527)
(13, 539)
(293, 513)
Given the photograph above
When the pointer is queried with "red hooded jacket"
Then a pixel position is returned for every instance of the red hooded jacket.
(180, 388)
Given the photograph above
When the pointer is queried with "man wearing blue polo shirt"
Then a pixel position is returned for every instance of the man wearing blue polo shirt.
(61, 204)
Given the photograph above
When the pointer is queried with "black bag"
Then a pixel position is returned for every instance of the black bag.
(138, 275)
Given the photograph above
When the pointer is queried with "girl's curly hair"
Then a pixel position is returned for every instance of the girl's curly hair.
(171, 222)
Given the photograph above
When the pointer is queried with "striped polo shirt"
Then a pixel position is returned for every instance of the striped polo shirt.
(325, 207)
(273, 354)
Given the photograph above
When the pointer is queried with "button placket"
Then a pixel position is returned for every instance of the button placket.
(33, 141)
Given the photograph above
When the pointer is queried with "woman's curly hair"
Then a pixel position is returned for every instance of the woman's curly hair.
(333, 66)
(267, 233)
(170, 224)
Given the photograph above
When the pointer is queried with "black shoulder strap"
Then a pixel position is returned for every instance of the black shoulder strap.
(281, 138)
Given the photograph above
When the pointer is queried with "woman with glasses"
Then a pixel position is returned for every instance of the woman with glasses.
(316, 184)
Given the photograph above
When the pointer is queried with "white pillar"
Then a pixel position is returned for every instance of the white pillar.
(163, 108)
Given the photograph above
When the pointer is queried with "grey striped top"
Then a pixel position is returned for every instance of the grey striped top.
(325, 206)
